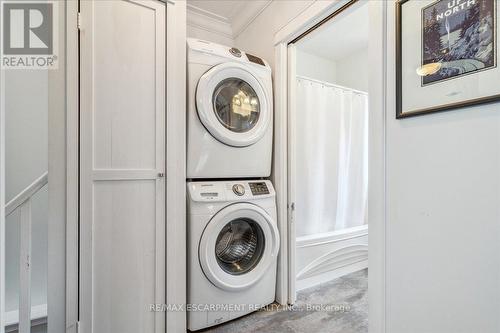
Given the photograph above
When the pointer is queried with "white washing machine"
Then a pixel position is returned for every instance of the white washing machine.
(233, 244)
(230, 113)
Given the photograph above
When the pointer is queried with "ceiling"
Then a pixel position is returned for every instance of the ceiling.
(341, 36)
(225, 9)
(236, 14)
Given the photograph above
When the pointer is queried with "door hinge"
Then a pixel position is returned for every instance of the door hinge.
(79, 21)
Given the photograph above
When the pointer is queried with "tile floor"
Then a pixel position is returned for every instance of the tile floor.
(340, 306)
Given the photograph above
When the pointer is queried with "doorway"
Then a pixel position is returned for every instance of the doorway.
(328, 150)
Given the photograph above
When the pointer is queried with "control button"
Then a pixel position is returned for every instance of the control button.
(234, 51)
(238, 189)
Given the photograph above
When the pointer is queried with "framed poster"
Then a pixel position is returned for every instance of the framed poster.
(446, 55)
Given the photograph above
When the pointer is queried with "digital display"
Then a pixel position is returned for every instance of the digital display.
(255, 60)
(259, 188)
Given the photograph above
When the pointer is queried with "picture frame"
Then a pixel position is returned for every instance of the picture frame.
(446, 55)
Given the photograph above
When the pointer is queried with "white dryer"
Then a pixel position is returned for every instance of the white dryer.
(230, 113)
(233, 244)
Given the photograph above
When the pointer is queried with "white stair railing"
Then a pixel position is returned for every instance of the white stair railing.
(22, 201)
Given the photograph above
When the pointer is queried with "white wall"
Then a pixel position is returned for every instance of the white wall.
(258, 37)
(26, 113)
(316, 67)
(443, 204)
(352, 71)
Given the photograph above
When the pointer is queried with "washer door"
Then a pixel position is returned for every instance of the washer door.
(233, 105)
(237, 246)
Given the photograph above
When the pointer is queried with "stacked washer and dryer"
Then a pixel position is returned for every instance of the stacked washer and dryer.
(233, 240)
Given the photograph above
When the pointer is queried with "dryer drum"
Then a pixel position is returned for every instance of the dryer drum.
(236, 105)
(239, 246)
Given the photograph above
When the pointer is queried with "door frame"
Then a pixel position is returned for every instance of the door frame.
(308, 19)
(175, 168)
(72, 165)
(2, 193)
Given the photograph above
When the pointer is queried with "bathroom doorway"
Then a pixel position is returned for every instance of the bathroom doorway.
(328, 114)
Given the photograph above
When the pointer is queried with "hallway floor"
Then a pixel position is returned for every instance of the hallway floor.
(340, 306)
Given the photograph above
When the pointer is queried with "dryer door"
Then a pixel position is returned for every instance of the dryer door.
(233, 105)
(238, 246)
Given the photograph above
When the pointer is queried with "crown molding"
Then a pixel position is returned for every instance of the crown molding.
(248, 13)
(230, 27)
(208, 21)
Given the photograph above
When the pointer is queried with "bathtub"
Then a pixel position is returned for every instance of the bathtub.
(326, 256)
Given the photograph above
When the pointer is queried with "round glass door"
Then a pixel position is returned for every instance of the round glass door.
(239, 246)
(232, 104)
(236, 105)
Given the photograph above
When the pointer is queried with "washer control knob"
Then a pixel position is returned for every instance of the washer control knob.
(238, 189)
(234, 51)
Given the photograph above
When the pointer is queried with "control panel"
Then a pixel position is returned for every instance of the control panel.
(234, 54)
(230, 190)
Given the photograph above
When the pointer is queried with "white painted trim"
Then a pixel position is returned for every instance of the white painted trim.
(208, 21)
(279, 172)
(72, 166)
(124, 174)
(26, 194)
(291, 174)
(56, 252)
(377, 196)
(176, 166)
(191, 9)
(229, 27)
(308, 18)
(378, 242)
(25, 267)
(2, 193)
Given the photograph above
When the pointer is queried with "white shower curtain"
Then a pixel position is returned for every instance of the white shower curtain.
(331, 157)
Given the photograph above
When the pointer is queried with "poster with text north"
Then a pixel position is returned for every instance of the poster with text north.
(458, 38)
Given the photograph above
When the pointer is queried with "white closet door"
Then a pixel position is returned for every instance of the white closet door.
(122, 161)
